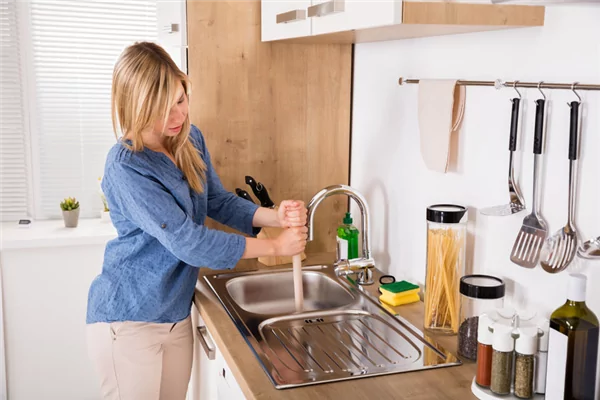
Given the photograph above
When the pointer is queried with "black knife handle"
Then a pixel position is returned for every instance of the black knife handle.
(538, 139)
(514, 124)
(243, 194)
(574, 130)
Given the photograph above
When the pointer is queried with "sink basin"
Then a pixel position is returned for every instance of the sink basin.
(342, 333)
(273, 294)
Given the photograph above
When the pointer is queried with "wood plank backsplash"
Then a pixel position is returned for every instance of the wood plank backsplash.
(278, 112)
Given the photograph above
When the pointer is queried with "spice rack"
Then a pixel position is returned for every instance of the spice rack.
(486, 394)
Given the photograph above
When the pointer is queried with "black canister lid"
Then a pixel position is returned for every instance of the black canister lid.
(446, 213)
(482, 286)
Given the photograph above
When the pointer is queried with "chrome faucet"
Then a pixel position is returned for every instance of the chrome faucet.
(362, 266)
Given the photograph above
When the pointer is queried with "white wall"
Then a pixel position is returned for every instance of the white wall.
(387, 166)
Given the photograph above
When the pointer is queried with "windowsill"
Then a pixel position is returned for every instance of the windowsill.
(52, 233)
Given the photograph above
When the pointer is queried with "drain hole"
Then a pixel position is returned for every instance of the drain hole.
(310, 321)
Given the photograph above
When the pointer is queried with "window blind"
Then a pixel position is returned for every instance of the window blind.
(14, 176)
(75, 45)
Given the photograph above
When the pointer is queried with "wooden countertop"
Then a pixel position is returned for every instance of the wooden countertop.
(448, 383)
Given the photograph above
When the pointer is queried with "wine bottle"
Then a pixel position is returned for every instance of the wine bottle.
(573, 347)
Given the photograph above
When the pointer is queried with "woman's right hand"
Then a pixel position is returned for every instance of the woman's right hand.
(291, 241)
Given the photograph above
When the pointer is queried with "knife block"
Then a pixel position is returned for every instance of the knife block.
(272, 233)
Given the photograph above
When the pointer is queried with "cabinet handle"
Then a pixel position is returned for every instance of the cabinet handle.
(204, 341)
(291, 16)
(326, 8)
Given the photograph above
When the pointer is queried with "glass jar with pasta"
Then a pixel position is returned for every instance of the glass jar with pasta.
(446, 244)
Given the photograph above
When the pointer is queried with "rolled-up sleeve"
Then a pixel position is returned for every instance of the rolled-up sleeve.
(224, 206)
(149, 205)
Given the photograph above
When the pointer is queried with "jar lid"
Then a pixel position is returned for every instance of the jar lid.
(527, 343)
(502, 339)
(484, 335)
(545, 338)
(446, 213)
(482, 286)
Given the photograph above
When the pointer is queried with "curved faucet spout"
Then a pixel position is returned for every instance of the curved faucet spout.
(362, 204)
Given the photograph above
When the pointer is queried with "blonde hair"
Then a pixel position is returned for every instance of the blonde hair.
(144, 87)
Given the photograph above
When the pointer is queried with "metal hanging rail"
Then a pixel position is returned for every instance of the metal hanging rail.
(498, 84)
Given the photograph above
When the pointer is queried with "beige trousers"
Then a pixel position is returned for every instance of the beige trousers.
(142, 361)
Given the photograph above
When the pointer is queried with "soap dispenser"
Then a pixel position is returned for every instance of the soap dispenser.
(347, 239)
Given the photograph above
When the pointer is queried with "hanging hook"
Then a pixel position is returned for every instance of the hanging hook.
(539, 88)
(573, 89)
(517, 90)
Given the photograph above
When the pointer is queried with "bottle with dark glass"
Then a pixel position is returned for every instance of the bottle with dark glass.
(573, 346)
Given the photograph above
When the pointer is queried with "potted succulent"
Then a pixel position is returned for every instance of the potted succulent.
(70, 212)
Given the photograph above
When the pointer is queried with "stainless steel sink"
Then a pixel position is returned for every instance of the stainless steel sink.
(341, 334)
(273, 293)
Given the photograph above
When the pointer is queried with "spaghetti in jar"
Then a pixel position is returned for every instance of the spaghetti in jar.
(446, 245)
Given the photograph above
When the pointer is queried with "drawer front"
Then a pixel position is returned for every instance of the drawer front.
(284, 19)
(343, 15)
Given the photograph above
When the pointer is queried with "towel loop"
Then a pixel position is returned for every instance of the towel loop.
(539, 88)
(517, 90)
(573, 90)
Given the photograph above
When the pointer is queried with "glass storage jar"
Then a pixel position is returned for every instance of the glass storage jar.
(446, 244)
(503, 346)
(526, 348)
(479, 294)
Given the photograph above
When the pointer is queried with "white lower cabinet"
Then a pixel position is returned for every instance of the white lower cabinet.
(211, 376)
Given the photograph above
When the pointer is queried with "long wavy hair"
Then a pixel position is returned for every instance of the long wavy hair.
(145, 83)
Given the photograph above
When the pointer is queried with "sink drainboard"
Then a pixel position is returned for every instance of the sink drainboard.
(351, 342)
(351, 337)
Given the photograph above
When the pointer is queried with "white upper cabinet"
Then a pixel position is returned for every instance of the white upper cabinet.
(357, 21)
(331, 16)
(284, 19)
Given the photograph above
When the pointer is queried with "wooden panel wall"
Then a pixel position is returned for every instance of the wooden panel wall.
(278, 112)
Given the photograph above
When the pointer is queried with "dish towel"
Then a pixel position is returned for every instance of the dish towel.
(440, 112)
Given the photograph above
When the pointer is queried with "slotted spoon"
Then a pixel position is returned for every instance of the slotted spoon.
(560, 248)
(527, 247)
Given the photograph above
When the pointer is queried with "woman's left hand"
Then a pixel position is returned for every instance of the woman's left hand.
(292, 213)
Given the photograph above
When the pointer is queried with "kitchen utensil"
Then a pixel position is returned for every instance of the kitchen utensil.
(260, 191)
(517, 203)
(590, 249)
(243, 194)
(527, 246)
(560, 248)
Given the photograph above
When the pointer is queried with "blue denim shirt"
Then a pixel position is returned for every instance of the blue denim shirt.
(150, 269)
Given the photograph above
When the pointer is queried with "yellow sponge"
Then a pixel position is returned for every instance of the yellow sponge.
(399, 293)
(398, 300)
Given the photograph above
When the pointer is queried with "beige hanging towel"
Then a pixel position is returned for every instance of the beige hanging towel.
(441, 109)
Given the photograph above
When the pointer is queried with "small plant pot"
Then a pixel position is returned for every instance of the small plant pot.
(71, 218)
(105, 216)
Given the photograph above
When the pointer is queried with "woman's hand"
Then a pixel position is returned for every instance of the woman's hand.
(292, 213)
(291, 241)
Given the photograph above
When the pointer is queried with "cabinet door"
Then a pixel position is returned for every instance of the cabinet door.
(329, 16)
(227, 386)
(203, 384)
(284, 19)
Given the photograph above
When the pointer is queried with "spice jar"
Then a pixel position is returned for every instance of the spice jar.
(484, 351)
(525, 349)
(542, 358)
(503, 346)
(446, 244)
(479, 294)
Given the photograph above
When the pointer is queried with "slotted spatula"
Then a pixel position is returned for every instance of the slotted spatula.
(531, 237)
(560, 248)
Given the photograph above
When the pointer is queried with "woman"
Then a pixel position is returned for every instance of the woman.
(160, 185)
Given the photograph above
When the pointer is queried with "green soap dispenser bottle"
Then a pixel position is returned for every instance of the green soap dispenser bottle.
(347, 239)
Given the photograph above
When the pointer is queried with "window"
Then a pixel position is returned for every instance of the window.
(15, 188)
(57, 61)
